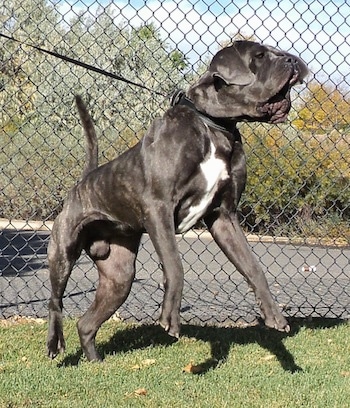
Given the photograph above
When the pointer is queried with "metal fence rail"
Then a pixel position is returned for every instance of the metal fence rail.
(296, 208)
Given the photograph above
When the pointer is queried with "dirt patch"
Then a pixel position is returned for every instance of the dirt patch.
(17, 320)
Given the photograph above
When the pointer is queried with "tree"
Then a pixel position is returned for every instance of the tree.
(41, 146)
(323, 108)
(18, 62)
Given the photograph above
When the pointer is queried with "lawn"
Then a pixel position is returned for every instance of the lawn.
(207, 367)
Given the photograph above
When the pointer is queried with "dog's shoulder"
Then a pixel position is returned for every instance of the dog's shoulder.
(179, 124)
(183, 123)
(182, 116)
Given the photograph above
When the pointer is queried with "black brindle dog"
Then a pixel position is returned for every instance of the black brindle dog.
(190, 165)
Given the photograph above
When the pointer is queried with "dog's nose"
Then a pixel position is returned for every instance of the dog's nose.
(297, 65)
(290, 59)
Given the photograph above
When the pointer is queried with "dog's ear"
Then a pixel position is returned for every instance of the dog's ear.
(230, 68)
(234, 76)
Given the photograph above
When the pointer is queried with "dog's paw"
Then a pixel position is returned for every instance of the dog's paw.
(272, 316)
(277, 322)
(55, 345)
(171, 325)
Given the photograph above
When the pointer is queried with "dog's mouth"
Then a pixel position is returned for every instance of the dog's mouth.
(276, 109)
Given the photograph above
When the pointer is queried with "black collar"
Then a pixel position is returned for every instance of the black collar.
(179, 98)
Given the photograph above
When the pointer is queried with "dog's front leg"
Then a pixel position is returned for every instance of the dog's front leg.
(160, 226)
(228, 234)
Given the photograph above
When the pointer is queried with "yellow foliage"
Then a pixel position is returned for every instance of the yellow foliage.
(289, 172)
(324, 107)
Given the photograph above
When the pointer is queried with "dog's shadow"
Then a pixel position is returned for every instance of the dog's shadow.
(221, 339)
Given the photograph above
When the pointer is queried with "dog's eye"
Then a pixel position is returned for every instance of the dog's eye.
(259, 55)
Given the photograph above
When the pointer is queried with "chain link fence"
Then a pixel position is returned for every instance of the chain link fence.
(295, 210)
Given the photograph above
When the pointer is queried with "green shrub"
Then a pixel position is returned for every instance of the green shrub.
(39, 167)
(298, 184)
(294, 177)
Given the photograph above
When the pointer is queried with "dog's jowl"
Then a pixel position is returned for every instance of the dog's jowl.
(189, 165)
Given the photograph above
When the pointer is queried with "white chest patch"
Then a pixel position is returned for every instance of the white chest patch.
(214, 170)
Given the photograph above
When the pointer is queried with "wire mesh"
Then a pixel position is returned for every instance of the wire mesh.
(295, 211)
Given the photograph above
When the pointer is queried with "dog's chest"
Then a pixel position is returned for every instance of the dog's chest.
(213, 170)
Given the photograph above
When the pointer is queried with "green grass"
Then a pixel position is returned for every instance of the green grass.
(143, 367)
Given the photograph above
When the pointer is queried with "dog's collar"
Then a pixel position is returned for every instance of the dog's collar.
(179, 98)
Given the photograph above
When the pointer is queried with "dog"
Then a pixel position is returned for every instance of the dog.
(190, 165)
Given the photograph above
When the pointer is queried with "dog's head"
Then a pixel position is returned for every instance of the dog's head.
(248, 81)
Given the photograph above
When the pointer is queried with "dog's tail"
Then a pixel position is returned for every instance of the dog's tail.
(91, 147)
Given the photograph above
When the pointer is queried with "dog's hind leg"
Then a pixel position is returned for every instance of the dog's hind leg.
(116, 274)
(61, 257)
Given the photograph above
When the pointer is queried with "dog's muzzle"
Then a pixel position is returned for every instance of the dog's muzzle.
(276, 108)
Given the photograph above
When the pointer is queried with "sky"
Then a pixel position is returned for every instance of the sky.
(316, 30)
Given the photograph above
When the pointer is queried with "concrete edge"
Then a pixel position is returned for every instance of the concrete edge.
(30, 225)
(23, 225)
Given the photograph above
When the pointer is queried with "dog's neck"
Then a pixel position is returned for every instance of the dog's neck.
(225, 125)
